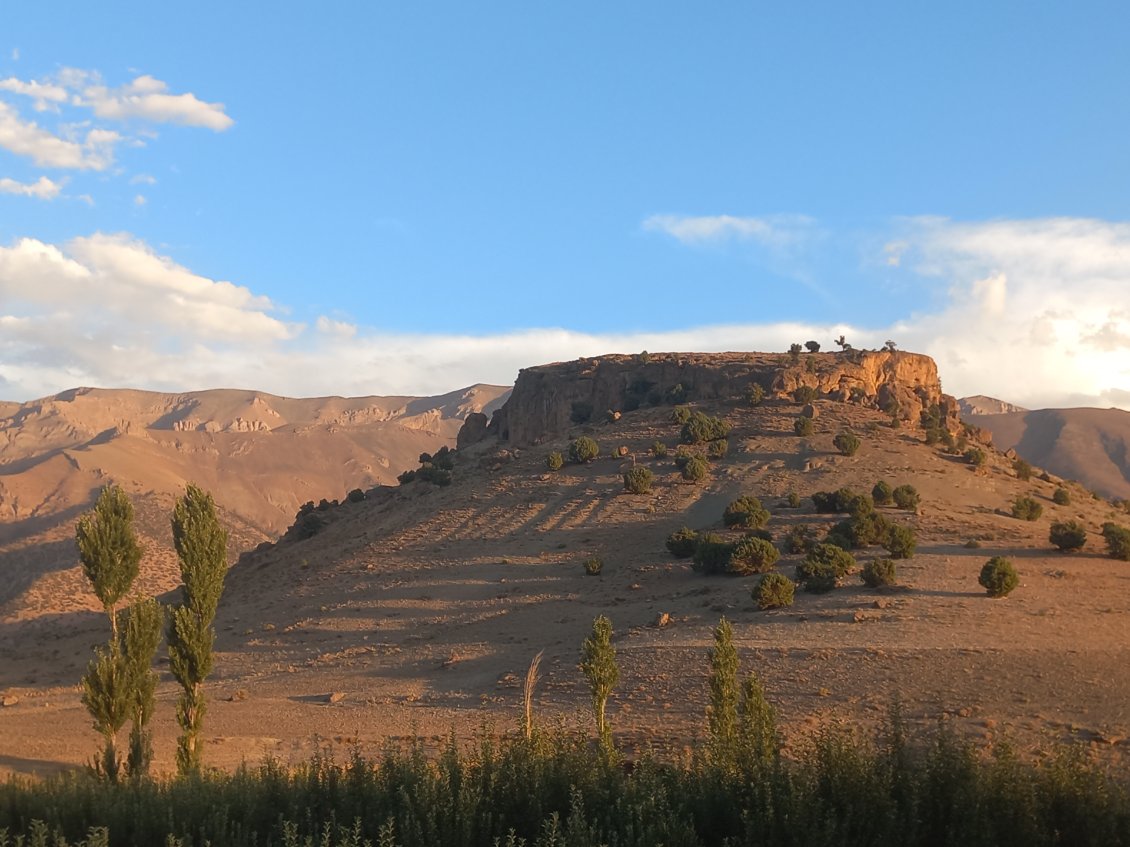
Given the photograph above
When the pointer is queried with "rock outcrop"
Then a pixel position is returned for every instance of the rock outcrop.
(548, 399)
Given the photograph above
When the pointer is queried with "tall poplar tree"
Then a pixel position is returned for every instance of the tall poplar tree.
(598, 662)
(108, 549)
(722, 714)
(201, 544)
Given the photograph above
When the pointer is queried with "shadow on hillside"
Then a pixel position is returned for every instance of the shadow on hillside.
(46, 643)
(21, 568)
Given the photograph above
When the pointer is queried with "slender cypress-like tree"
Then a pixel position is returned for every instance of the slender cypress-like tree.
(106, 695)
(759, 742)
(598, 661)
(108, 549)
(722, 714)
(140, 634)
(201, 544)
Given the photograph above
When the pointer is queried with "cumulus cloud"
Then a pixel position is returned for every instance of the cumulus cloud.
(775, 230)
(1024, 312)
(94, 151)
(43, 188)
(148, 99)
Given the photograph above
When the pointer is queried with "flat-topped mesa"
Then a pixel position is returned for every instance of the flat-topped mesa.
(548, 399)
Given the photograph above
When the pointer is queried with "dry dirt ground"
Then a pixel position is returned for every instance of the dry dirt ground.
(420, 609)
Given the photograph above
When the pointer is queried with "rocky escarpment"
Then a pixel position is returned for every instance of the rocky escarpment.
(548, 399)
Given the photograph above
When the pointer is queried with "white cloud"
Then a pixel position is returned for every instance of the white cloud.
(139, 200)
(43, 188)
(26, 138)
(45, 94)
(142, 179)
(776, 230)
(148, 99)
(1027, 314)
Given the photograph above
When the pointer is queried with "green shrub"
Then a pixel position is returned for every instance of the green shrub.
(681, 414)
(638, 480)
(805, 394)
(712, 554)
(847, 443)
(755, 395)
(881, 494)
(832, 502)
(745, 513)
(1061, 497)
(1068, 536)
(802, 426)
(1117, 541)
(752, 555)
(859, 505)
(594, 565)
(900, 542)
(1026, 509)
(681, 543)
(861, 530)
(582, 450)
(434, 475)
(1022, 469)
(878, 573)
(976, 457)
(700, 428)
(998, 577)
(906, 497)
(555, 461)
(676, 394)
(695, 469)
(792, 500)
(718, 449)
(972, 544)
(406, 477)
(798, 539)
(659, 449)
(824, 561)
(773, 591)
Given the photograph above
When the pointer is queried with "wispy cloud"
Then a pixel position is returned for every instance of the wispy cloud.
(775, 230)
(148, 99)
(43, 188)
(95, 150)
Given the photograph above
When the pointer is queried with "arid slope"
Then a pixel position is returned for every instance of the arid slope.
(420, 608)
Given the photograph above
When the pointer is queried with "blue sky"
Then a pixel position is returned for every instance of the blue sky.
(410, 198)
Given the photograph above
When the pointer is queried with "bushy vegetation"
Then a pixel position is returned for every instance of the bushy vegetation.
(593, 565)
(745, 513)
(847, 443)
(638, 480)
(1022, 469)
(700, 428)
(823, 566)
(557, 789)
(1117, 541)
(792, 500)
(682, 543)
(832, 502)
(1026, 509)
(900, 541)
(1068, 536)
(752, 555)
(976, 457)
(773, 591)
(882, 494)
(712, 554)
(804, 394)
(718, 449)
(755, 395)
(681, 414)
(583, 449)
(878, 573)
(555, 461)
(802, 426)
(659, 450)
(695, 469)
(798, 539)
(1061, 497)
(998, 577)
(906, 497)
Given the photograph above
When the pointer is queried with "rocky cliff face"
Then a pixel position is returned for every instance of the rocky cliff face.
(548, 399)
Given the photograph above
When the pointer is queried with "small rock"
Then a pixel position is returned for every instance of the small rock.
(662, 619)
(335, 697)
(9, 700)
(622, 450)
(882, 603)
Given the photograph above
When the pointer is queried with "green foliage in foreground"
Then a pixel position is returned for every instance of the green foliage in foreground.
(558, 790)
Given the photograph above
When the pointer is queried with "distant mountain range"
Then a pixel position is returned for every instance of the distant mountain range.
(262, 456)
(1088, 445)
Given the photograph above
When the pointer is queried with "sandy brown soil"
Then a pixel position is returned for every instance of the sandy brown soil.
(423, 606)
